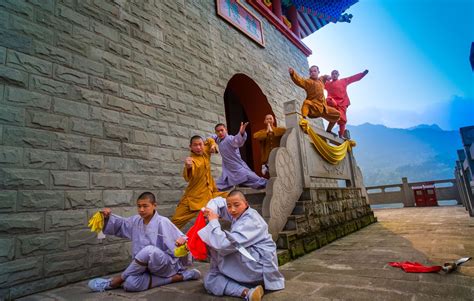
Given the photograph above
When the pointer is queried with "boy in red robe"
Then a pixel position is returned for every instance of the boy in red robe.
(337, 95)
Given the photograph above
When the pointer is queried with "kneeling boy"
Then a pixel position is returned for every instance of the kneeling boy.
(243, 258)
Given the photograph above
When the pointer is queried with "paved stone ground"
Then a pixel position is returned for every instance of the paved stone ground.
(354, 267)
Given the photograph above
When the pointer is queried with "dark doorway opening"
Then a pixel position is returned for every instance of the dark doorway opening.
(245, 101)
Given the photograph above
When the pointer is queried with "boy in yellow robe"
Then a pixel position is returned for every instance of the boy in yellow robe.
(201, 186)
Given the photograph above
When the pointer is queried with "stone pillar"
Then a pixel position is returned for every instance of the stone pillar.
(276, 8)
(292, 117)
(467, 164)
(407, 194)
(469, 201)
(293, 17)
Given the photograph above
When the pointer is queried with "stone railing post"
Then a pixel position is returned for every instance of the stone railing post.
(407, 194)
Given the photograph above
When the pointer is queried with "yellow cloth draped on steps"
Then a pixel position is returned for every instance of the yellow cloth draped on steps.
(332, 154)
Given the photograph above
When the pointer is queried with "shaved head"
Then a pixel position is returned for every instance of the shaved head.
(237, 193)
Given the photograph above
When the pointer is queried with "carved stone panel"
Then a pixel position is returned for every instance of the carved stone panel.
(285, 185)
(320, 168)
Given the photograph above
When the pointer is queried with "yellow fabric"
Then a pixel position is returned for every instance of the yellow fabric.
(332, 154)
(181, 251)
(96, 223)
(183, 214)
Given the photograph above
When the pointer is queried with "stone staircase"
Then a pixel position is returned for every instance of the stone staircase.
(335, 213)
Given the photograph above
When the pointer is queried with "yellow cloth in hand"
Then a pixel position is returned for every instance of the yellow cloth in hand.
(181, 251)
(96, 223)
(332, 154)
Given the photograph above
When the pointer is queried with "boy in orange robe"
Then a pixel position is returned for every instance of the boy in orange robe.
(201, 186)
(337, 95)
(315, 104)
(269, 138)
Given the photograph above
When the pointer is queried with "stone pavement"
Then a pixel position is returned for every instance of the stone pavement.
(354, 267)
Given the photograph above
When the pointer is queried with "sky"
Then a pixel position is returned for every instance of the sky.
(417, 54)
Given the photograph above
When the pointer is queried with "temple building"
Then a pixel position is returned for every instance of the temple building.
(98, 100)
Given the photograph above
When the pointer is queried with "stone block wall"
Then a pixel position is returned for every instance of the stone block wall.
(97, 102)
(321, 216)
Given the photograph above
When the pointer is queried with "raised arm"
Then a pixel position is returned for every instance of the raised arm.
(210, 146)
(117, 225)
(356, 77)
(298, 80)
(188, 170)
(324, 78)
(219, 206)
(239, 139)
(170, 235)
(246, 234)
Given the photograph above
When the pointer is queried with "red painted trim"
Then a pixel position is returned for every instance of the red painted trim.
(270, 16)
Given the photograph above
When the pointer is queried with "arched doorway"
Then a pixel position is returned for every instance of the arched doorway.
(245, 101)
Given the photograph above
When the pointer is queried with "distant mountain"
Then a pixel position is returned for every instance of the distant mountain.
(426, 126)
(421, 153)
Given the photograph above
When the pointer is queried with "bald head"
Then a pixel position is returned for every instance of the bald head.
(236, 203)
(238, 194)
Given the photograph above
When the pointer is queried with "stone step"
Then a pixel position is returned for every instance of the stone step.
(300, 207)
(254, 196)
(285, 238)
(284, 256)
(293, 221)
(305, 195)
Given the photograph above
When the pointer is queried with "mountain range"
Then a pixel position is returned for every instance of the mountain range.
(421, 153)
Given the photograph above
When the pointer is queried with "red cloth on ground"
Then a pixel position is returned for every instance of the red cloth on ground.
(195, 244)
(415, 267)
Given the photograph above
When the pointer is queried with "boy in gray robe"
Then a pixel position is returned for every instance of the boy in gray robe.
(154, 239)
(243, 258)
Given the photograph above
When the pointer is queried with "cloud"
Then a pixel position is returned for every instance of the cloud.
(449, 115)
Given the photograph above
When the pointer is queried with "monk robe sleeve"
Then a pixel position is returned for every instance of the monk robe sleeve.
(208, 144)
(169, 233)
(260, 135)
(298, 80)
(278, 132)
(246, 234)
(119, 226)
(214, 237)
(356, 77)
(188, 172)
(239, 140)
(219, 206)
(248, 231)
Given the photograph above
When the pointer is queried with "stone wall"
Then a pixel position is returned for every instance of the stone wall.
(97, 101)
